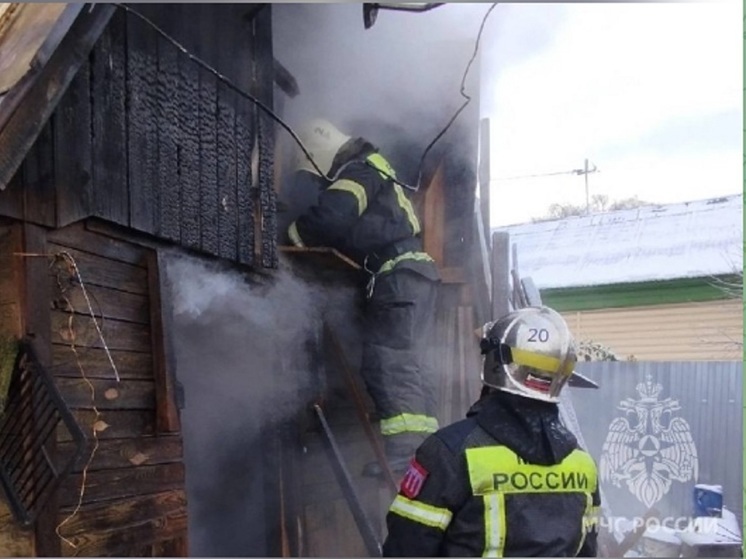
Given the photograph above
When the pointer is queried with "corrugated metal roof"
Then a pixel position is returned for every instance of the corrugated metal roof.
(650, 243)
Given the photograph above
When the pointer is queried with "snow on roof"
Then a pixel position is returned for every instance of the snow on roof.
(657, 242)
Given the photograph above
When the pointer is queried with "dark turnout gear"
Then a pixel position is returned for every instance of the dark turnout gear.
(368, 217)
(396, 367)
(509, 480)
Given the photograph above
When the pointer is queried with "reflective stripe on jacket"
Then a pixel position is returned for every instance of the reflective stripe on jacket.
(362, 212)
(480, 499)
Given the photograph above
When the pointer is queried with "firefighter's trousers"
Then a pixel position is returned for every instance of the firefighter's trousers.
(397, 363)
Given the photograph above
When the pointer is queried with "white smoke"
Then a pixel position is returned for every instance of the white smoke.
(244, 350)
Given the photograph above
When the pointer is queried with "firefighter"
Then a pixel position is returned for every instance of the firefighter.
(509, 479)
(366, 215)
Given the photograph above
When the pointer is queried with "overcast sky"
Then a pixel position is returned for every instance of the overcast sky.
(650, 93)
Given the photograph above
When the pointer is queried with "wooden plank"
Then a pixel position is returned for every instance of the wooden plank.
(95, 363)
(36, 327)
(10, 281)
(107, 485)
(108, 393)
(79, 237)
(135, 537)
(126, 453)
(98, 270)
(110, 194)
(168, 136)
(434, 218)
(36, 33)
(189, 155)
(142, 74)
(14, 541)
(264, 64)
(11, 199)
(227, 215)
(208, 163)
(484, 176)
(73, 159)
(164, 356)
(119, 424)
(116, 333)
(106, 302)
(499, 265)
(41, 98)
(245, 125)
(39, 177)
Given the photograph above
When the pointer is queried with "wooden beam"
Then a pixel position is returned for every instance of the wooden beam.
(321, 251)
(484, 176)
(434, 218)
(30, 115)
(30, 34)
(36, 321)
(500, 263)
(164, 356)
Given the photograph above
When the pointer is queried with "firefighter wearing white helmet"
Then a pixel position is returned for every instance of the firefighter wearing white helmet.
(323, 141)
(529, 352)
(360, 210)
(509, 480)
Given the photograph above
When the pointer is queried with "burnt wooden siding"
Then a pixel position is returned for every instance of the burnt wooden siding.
(146, 138)
(132, 496)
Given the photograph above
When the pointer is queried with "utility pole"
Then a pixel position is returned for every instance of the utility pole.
(585, 171)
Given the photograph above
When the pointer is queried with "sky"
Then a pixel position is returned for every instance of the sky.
(650, 93)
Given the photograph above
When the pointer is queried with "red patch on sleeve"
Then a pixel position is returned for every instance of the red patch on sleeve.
(413, 479)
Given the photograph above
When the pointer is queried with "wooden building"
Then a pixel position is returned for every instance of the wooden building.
(116, 146)
(657, 283)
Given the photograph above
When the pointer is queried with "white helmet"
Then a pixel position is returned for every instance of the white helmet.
(529, 352)
(322, 140)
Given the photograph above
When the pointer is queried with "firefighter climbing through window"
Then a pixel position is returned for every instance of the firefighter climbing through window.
(366, 215)
(510, 479)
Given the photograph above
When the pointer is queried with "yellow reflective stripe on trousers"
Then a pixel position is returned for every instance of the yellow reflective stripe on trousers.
(417, 256)
(408, 423)
(497, 468)
(294, 236)
(494, 525)
(387, 173)
(586, 521)
(428, 515)
(354, 188)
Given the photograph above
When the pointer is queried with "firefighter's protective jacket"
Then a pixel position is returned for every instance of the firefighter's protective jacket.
(509, 480)
(364, 214)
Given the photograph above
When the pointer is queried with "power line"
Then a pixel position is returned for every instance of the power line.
(585, 171)
(498, 179)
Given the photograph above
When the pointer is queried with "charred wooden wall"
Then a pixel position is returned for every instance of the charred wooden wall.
(131, 475)
(146, 138)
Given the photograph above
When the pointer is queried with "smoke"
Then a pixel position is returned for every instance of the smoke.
(399, 79)
(242, 358)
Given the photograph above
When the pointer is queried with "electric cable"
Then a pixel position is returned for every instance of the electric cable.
(288, 128)
(462, 107)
